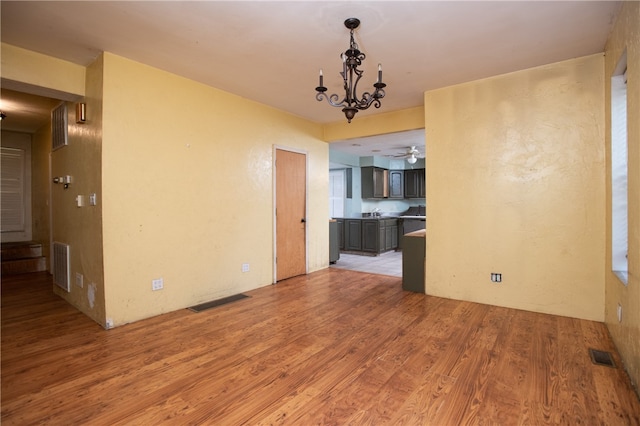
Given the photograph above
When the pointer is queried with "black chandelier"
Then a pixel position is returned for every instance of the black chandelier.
(351, 59)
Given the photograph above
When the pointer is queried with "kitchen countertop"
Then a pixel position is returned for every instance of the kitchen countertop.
(381, 217)
(368, 218)
(422, 233)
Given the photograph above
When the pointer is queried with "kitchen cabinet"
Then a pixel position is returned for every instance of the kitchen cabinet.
(371, 235)
(340, 223)
(390, 234)
(353, 234)
(378, 183)
(414, 185)
(396, 184)
(334, 242)
(375, 182)
(368, 235)
(413, 258)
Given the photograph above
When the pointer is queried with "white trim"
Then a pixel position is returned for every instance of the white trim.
(306, 208)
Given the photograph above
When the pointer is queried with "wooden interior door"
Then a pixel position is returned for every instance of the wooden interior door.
(291, 195)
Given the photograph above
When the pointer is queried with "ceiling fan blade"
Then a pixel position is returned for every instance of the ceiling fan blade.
(410, 152)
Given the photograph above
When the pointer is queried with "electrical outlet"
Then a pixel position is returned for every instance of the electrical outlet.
(245, 267)
(157, 284)
(496, 277)
(79, 280)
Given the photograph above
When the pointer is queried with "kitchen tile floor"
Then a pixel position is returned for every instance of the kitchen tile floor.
(389, 263)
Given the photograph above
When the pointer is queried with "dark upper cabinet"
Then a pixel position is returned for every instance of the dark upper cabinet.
(396, 184)
(414, 185)
(375, 182)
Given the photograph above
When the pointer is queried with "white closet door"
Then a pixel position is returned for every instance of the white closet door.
(15, 187)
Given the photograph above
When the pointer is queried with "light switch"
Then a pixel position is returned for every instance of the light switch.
(80, 200)
(93, 200)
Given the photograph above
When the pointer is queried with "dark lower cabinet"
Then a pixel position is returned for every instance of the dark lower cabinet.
(334, 242)
(391, 236)
(340, 233)
(368, 235)
(413, 257)
(353, 234)
(371, 236)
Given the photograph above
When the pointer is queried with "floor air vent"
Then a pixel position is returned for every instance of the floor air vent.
(219, 302)
(61, 266)
(601, 358)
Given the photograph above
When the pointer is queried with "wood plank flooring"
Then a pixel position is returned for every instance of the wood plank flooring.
(333, 347)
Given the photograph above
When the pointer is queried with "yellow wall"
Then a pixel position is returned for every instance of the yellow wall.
(371, 125)
(184, 183)
(23, 70)
(626, 334)
(515, 185)
(188, 190)
(81, 227)
(41, 189)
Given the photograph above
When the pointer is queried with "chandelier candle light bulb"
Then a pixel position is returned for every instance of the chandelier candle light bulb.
(351, 59)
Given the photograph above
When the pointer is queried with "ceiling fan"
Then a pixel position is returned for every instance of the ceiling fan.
(411, 155)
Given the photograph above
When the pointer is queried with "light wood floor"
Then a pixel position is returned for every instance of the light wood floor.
(334, 347)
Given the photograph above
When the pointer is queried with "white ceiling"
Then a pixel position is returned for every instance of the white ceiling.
(389, 145)
(271, 51)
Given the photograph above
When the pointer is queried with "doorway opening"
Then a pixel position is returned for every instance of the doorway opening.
(383, 180)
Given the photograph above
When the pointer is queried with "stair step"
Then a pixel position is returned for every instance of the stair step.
(21, 250)
(23, 266)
